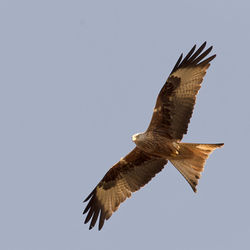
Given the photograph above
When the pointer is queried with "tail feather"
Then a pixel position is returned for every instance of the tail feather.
(191, 160)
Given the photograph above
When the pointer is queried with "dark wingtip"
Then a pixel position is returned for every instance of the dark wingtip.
(194, 57)
(187, 57)
(209, 49)
(87, 198)
(177, 63)
(85, 210)
(204, 44)
(90, 195)
(208, 60)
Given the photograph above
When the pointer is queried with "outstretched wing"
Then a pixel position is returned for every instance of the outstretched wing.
(176, 100)
(127, 176)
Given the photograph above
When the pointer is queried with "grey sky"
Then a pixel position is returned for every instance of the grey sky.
(78, 78)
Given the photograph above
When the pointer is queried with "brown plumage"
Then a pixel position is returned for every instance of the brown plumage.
(160, 142)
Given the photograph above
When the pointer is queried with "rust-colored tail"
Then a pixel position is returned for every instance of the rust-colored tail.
(191, 160)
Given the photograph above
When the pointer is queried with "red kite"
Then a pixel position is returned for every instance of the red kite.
(161, 141)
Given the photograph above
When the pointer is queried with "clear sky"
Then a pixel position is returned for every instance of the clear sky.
(78, 78)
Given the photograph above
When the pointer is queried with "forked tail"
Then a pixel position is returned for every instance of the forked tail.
(191, 160)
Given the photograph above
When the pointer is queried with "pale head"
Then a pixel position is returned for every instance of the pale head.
(137, 137)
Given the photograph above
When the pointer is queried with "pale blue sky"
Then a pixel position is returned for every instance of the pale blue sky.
(78, 78)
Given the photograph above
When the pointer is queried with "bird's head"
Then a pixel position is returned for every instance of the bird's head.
(136, 137)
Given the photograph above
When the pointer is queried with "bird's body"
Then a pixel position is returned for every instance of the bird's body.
(160, 142)
(156, 144)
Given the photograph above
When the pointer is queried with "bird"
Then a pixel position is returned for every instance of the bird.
(160, 143)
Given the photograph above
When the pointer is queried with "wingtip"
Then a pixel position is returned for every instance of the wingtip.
(181, 56)
(87, 197)
(86, 220)
(101, 223)
(193, 48)
(209, 49)
(204, 44)
(90, 195)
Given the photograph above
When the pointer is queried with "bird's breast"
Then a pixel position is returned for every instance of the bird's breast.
(157, 145)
